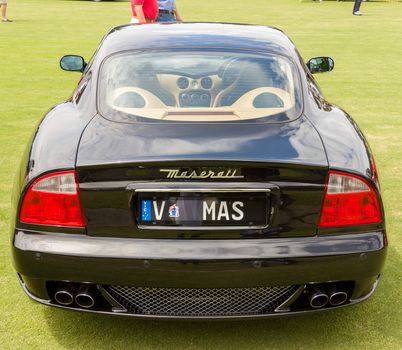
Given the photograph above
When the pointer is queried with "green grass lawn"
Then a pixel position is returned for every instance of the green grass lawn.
(367, 82)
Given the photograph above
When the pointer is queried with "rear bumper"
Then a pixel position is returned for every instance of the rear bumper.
(79, 245)
(43, 257)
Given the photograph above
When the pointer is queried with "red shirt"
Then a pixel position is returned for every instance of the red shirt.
(149, 7)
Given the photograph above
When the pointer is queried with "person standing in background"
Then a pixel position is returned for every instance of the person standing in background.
(356, 8)
(144, 11)
(3, 5)
(168, 11)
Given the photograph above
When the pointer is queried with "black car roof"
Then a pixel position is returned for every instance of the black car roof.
(185, 35)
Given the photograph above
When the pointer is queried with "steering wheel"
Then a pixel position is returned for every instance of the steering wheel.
(230, 74)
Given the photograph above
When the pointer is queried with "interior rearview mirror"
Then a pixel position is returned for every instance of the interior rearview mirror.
(72, 63)
(320, 64)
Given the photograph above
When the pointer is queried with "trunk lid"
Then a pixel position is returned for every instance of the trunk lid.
(117, 162)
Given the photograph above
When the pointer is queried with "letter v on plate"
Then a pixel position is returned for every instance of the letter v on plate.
(158, 213)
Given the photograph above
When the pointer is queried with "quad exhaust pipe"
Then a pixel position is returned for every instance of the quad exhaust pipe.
(85, 297)
(336, 297)
(67, 293)
(319, 296)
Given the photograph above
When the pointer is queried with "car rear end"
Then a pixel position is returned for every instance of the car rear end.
(234, 213)
(142, 243)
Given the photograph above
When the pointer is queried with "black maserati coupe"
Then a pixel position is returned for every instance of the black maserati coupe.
(197, 171)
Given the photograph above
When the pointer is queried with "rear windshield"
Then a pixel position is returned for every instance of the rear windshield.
(199, 87)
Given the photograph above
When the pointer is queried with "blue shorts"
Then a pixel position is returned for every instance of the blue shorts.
(165, 17)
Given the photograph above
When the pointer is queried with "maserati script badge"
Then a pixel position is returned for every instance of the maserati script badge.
(205, 174)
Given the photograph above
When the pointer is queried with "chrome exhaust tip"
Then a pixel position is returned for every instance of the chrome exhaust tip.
(337, 297)
(318, 298)
(65, 295)
(85, 297)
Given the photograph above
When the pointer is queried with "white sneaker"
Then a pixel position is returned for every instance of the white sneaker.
(357, 13)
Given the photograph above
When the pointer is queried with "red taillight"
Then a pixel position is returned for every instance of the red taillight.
(54, 200)
(349, 200)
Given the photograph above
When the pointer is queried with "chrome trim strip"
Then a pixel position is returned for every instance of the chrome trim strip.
(32, 296)
(180, 189)
(188, 249)
(201, 186)
(116, 306)
(368, 295)
(284, 307)
(203, 228)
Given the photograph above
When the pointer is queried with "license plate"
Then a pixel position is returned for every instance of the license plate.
(202, 209)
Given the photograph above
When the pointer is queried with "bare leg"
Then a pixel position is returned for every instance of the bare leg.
(3, 11)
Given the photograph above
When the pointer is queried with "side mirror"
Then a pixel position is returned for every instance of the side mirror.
(320, 64)
(72, 63)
